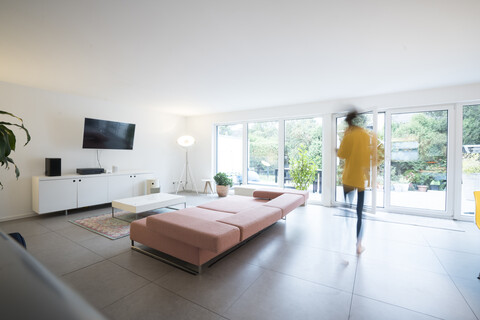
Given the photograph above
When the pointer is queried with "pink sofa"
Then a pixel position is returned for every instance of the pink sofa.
(200, 235)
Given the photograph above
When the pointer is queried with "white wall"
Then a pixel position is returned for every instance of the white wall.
(202, 127)
(55, 122)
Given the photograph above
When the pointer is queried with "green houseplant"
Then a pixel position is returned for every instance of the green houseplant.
(302, 169)
(423, 180)
(8, 141)
(223, 182)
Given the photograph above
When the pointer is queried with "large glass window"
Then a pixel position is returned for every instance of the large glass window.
(229, 151)
(470, 157)
(418, 169)
(262, 152)
(307, 134)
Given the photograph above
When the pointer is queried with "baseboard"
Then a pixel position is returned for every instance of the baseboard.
(16, 217)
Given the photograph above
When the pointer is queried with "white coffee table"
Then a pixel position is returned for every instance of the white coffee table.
(148, 202)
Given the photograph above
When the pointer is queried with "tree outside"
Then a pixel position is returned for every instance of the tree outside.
(419, 148)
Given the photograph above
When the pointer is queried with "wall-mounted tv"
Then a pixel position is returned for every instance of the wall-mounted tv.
(103, 134)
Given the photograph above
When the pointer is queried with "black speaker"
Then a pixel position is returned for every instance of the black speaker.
(53, 167)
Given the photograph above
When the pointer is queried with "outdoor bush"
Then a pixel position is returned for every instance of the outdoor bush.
(302, 169)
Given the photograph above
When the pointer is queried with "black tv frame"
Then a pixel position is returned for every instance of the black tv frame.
(105, 134)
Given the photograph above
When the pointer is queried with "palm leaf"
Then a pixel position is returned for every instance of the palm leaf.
(8, 142)
(21, 126)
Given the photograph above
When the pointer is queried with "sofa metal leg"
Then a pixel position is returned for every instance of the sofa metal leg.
(193, 270)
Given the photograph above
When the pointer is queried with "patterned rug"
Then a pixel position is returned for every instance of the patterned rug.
(113, 228)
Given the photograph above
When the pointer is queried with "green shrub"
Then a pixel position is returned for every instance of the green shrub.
(302, 169)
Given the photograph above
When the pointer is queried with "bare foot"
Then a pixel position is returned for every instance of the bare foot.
(360, 249)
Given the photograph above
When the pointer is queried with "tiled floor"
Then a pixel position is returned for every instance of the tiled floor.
(302, 268)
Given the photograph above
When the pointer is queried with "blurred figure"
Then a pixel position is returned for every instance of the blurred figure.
(357, 151)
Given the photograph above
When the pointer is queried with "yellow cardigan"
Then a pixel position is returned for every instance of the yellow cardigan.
(356, 149)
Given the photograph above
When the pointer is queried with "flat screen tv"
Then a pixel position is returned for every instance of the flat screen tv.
(103, 134)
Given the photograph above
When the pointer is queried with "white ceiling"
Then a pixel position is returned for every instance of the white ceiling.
(192, 57)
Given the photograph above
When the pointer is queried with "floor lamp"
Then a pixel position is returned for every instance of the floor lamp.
(186, 142)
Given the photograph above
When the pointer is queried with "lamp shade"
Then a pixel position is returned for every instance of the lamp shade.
(186, 141)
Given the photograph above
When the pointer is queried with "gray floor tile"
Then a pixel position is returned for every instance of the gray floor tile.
(317, 265)
(470, 289)
(425, 292)
(377, 231)
(59, 254)
(104, 283)
(217, 287)
(452, 240)
(277, 296)
(403, 254)
(142, 265)
(107, 248)
(26, 228)
(459, 264)
(156, 303)
(76, 233)
(54, 223)
(368, 309)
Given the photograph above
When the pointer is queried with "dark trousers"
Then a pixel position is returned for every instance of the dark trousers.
(360, 201)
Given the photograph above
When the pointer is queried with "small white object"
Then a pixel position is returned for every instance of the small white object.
(153, 186)
(114, 169)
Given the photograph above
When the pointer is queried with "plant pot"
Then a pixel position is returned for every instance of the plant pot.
(222, 191)
(422, 188)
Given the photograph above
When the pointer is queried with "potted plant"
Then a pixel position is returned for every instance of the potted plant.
(223, 183)
(423, 180)
(8, 142)
(302, 169)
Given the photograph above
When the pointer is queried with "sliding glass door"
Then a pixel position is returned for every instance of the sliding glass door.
(304, 134)
(470, 157)
(412, 146)
(418, 159)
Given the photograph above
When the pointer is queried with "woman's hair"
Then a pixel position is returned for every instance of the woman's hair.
(350, 117)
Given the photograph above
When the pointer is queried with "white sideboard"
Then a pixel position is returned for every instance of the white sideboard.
(67, 192)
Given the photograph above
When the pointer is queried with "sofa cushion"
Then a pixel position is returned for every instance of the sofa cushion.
(272, 193)
(201, 233)
(232, 204)
(204, 214)
(286, 202)
(251, 221)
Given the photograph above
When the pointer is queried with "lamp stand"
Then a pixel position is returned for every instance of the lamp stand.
(187, 171)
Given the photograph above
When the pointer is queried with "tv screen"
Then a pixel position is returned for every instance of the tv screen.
(103, 134)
